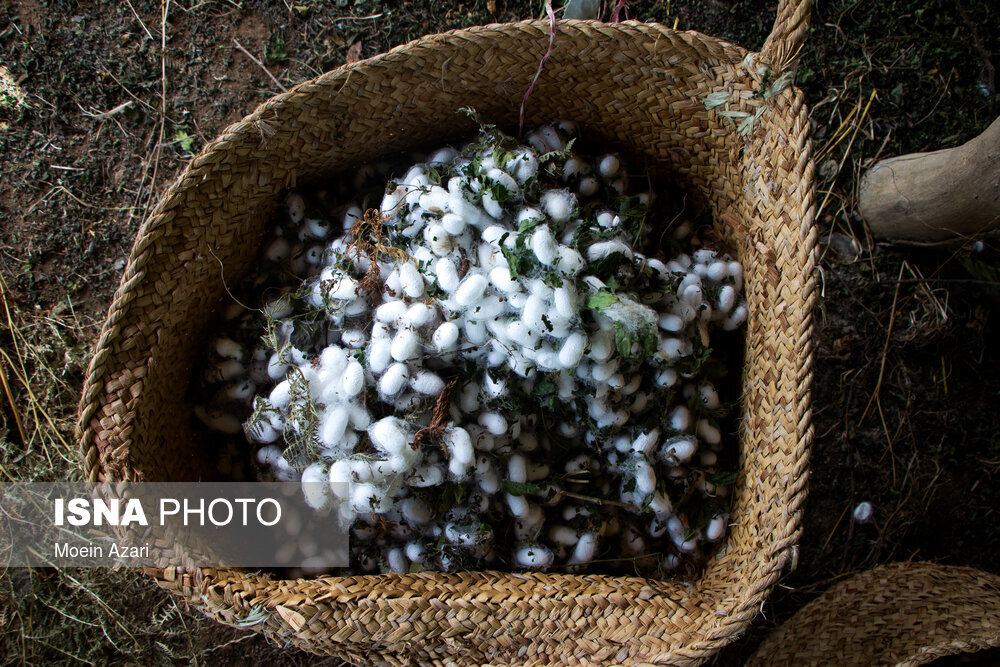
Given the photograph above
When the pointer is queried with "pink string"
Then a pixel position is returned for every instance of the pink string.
(552, 41)
(620, 9)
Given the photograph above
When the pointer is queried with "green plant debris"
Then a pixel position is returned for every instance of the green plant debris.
(275, 50)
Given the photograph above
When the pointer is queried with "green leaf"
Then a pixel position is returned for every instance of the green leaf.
(553, 280)
(713, 370)
(649, 340)
(600, 300)
(275, 49)
(514, 262)
(624, 339)
(722, 478)
(471, 113)
(520, 260)
(452, 495)
(545, 387)
(520, 488)
(629, 485)
(698, 518)
(529, 224)
(184, 139)
(690, 365)
(746, 127)
(779, 85)
(499, 192)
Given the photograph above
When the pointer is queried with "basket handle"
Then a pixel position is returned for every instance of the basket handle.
(782, 47)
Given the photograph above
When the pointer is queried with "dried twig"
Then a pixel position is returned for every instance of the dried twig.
(260, 65)
(885, 349)
(366, 238)
(589, 499)
(439, 418)
(104, 115)
(137, 18)
(163, 115)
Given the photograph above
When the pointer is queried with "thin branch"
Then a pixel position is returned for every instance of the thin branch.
(260, 65)
(104, 115)
(885, 348)
(136, 14)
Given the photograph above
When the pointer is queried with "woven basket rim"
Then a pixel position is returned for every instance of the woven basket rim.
(904, 613)
(779, 553)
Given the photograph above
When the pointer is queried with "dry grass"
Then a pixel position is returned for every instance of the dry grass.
(82, 616)
(42, 359)
(65, 615)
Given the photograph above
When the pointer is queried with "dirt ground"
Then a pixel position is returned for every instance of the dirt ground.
(102, 103)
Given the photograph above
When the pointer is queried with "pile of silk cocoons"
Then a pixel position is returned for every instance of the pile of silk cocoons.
(500, 359)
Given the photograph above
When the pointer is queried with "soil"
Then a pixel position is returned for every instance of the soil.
(119, 95)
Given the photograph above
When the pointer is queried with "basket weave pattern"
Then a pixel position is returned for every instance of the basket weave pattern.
(639, 88)
(903, 614)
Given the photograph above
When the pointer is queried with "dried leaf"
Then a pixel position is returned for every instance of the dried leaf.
(439, 418)
(353, 53)
(779, 85)
(746, 127)
(294, 619)
(713, 100)
(463, 265)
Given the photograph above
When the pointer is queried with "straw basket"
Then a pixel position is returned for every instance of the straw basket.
(899, 614)
(640, 88)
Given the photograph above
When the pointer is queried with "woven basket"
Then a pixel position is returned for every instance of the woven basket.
(900, 614)
(640, 88)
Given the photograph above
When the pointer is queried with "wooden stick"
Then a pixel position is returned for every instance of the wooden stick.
(932, 196)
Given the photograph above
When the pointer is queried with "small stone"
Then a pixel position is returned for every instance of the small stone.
(581, 9)
(863, 512)
(828, 169)
(846, 248)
